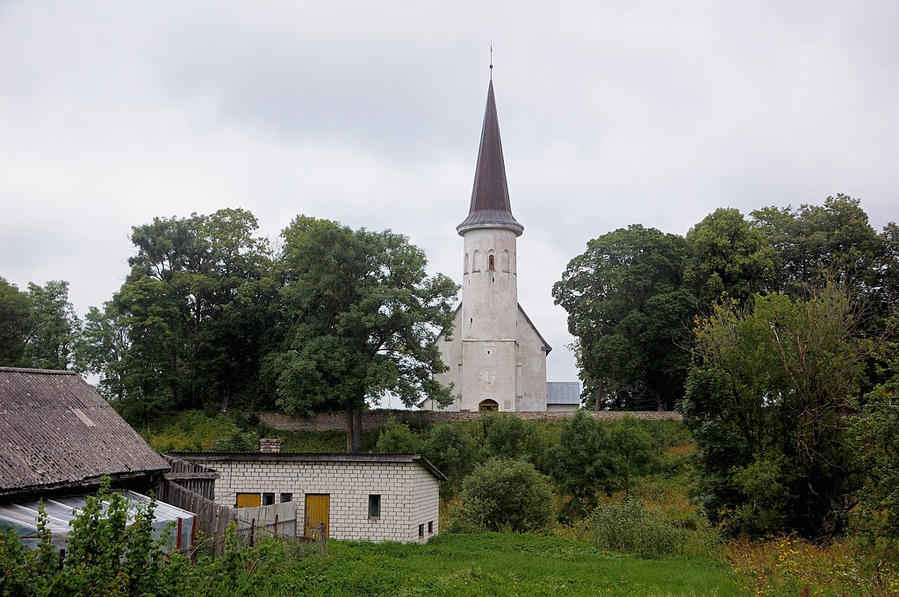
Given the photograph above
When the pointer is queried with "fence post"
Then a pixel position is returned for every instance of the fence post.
(252, 531)
(276, 523)
(324, 538)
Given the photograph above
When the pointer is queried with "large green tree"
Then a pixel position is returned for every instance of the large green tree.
(631, 315)
(815, 244)
(361, 316)
(15, 324)
(727, 256)
(767, 401)
(199, 308)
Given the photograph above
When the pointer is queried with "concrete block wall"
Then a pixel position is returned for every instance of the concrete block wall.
(409, 494)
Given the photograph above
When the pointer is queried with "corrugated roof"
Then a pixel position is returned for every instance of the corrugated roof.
(563, 392)
(309, 457)
(490, 206)
(55, 430)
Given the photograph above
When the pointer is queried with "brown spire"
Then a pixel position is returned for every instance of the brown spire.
(490, 207)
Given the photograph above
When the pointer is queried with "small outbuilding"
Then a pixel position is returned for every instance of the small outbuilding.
(373, 497)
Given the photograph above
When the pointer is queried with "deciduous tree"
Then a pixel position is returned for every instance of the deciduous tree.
(630, 313)
(361, 316)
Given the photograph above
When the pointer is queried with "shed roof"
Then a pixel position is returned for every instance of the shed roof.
(56, 431)
(310, 457)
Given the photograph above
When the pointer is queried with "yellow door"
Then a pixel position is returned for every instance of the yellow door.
(249, 500)
(318, 507)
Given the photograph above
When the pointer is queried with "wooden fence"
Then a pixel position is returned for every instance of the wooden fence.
(192, 476)
(212, 518)
(276, 519)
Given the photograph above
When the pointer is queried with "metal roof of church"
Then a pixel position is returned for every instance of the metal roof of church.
(490, 206)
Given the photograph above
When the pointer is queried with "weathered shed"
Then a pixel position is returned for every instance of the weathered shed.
(58, 435)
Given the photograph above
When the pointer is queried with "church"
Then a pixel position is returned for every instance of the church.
(496, 356)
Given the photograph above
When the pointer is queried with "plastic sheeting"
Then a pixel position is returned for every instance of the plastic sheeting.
(22, 519)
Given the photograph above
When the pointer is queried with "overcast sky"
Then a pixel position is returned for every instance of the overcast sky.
(611, 113)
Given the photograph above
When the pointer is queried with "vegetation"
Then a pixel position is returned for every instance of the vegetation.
(109, 552)
(628, 308)
(362, 318)
(505, 495)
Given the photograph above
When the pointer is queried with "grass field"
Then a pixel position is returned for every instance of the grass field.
(478, 564)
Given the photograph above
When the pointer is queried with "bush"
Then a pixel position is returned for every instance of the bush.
(509, 436)
(452, 449)
(581, 463)
(504, 495)
(397, 438)
(105, 555)
(629, 526)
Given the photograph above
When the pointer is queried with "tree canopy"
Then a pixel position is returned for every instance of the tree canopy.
(361, 317)
(631, 314)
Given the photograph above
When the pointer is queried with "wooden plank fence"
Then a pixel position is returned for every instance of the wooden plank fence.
(212, 518)
(276, 519)
(192, 476)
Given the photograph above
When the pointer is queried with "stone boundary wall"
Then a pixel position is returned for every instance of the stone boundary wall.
(375, 419)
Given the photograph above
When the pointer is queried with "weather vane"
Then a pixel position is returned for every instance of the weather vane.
(491, 59)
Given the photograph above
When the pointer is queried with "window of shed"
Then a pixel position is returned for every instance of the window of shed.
(374, 506)
(268, 499)
(286, 497)
(421, 531)
(430, 527)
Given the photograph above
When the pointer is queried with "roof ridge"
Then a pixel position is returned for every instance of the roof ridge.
(41, 371)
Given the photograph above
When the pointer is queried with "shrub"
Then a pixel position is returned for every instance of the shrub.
(581, 463)
(397, 438)
(105, 555)
(509, 436)
(632, 446)
(629, 526)
(452, 449)
(504, 495)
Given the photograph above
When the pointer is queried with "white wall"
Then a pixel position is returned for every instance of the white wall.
(409, 493)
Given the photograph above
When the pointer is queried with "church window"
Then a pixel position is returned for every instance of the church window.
(490, 264)
(476, 261)
(506, 260)
(465, 265)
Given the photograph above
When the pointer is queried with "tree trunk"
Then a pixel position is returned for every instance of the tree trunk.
(349, 430)
(357, 428)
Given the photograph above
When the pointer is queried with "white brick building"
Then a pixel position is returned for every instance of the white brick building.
(374, 497)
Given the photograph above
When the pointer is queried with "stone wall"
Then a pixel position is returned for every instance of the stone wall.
(376, 419)
(409, 494)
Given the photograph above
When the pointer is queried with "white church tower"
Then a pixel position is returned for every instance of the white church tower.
(496, 356)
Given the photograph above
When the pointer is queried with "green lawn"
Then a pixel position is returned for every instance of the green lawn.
(486, 564)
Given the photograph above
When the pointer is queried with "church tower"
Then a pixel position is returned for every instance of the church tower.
(497, 358)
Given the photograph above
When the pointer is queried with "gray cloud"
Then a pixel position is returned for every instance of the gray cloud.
(653, 112)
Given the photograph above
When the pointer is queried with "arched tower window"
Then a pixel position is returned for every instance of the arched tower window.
(506, 260)
(476, 261)
(491, 266)
(465, 265)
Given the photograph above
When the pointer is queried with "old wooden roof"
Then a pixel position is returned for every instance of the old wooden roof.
(490, 206)
(56, 431)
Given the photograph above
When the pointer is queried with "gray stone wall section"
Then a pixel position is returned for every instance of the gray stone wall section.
(376, 419)
(409, 494)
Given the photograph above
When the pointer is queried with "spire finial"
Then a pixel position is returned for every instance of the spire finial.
(491, 59)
